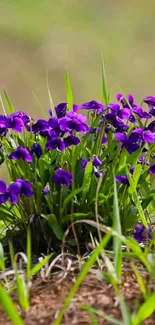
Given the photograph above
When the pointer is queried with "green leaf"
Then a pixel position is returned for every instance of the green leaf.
(11, 109)
(104, 84)
(77, 216)
(9, 307)
(53, 222)
(71, 196)
(137, 173)
(117, 227)
(135, 198)
(87, 179)
(69, 93)
(145, 310)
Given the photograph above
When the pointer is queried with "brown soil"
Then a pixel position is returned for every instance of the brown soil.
(48, 297)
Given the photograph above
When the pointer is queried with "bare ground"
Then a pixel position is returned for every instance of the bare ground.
(48, 297)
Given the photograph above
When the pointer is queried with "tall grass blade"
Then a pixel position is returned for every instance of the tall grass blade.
(39, 105)
(28, 253)
(117, 227)
(125, 311)
(140, 280)
(136, 199)
(9, 307)
(11, 109)
(105, 94)
(50, 96)
(69, 93)
(3, 107)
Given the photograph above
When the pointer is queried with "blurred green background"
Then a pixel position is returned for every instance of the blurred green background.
(40, 35)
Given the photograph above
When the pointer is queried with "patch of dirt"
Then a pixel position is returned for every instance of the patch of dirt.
(48, 297)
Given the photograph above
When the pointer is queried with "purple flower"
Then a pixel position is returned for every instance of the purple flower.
(93, 106)
(114, 107)
(2, 187)
(19, 187)
(4, 196)
(3, 124)
(55, 143)
(142, 160)
(123, 101)
(117, 123)
(142, 233)
(124, 113)
(84, 163)
(151, 126)
(127, 143)
(53, 123)
(73, 122)
(139, 134)
(152, 169)
(97, 162)
(15, 123)
(61, 109)
(98, 174)
(150, 101)
(62, 177)
(37, 150)
(71, 140)
(21, 153)
(122, 179)
(40, 125)
(45, 190)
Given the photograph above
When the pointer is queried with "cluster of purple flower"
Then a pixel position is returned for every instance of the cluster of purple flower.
(62, 131)
(15, 189)
(142, 233)
(15, 121)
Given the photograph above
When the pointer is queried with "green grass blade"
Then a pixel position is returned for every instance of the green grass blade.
(145, 310)
(12, 256)
(140, 280)
(3, 107)
(9, 307)
(91, 314)
(105, 94)
(102, 314)
(136, 199)
(2, 258)
(125, 311)
(40, 105)
(117, 227)
(81, 277)
(38, 267)
(50, 96)
(28, 253)
(9, 104)
(69, 93)
(23, 292)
